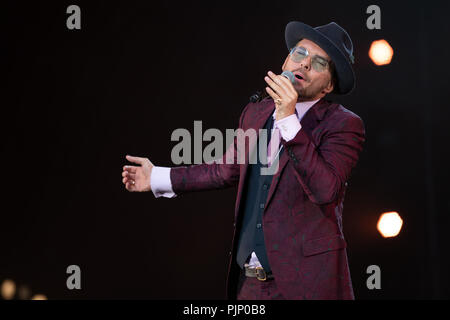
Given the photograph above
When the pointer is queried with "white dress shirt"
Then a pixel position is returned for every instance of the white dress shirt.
(288, 126)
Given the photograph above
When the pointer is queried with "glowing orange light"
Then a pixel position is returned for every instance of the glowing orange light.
(23, 292)
(39, 297)
(381, 52)
(8, 289)
(389, 224)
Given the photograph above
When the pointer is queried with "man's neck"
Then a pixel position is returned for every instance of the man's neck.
(303, 99)
(300, 100)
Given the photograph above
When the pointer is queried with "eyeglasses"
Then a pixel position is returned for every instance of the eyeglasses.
(318, 63)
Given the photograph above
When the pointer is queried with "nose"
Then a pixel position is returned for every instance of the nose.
(306, 63)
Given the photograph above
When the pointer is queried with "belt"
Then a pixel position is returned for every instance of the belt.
(258, 273)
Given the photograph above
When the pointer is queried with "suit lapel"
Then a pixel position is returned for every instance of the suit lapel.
(309, 121)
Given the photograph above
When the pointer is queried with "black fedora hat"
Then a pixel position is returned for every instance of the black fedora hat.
(335, 41)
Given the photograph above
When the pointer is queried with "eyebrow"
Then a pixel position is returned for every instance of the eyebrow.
(319, 56)
(315, 55)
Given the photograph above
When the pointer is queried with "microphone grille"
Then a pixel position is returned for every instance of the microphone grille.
(289, 75)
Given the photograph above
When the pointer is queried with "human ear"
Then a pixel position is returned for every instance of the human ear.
(329, 88)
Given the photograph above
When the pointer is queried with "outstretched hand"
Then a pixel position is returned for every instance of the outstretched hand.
(137, 178)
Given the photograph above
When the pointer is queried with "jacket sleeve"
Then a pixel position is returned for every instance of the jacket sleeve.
(323, 170)
(213, 175)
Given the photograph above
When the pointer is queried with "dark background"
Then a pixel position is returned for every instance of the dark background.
(75, 102)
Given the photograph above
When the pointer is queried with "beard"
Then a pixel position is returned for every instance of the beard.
(311, 92)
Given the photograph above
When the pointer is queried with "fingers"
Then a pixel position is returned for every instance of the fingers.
(130, 187)
(126, 180)
(288, 84)
(137, 160)
(129, 178)
(130, 169)
(129, 172)
(129, 183)
(273, 83)
(280, 84)
(272, 93)
(129, 175)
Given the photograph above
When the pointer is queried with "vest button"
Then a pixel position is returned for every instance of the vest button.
(261, 206)
(265, 186)
(259, 225)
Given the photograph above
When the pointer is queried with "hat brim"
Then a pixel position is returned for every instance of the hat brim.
(296, 31)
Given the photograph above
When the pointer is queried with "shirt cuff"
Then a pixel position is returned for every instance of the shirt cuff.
(161, 183)
(288, 126)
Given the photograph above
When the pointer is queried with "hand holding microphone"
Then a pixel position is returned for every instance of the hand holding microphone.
(281, 89)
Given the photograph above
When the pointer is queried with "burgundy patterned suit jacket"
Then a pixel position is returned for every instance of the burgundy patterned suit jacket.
(302, 219)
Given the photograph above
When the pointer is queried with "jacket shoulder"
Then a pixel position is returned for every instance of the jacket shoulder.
(261, 105)
(343, 117)
(342, 112)
(253, 108)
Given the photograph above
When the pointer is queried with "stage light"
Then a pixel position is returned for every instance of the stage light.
(381, 52)
(8, 289)
(23, 292)
(39, 297)
(389, 224)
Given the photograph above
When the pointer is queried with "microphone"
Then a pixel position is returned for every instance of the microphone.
(259, 95)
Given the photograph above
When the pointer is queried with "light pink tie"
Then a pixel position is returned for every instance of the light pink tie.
(273, 146)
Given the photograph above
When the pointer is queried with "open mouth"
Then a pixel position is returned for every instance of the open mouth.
(299, 76)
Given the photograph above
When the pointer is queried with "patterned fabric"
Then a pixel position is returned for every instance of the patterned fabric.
(253, 289)
(303, 211)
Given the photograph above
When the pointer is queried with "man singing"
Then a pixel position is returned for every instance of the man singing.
(288, 240)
